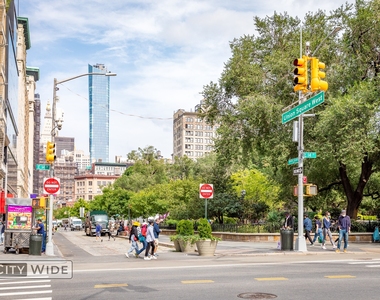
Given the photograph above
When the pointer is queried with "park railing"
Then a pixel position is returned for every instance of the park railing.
(262, 227)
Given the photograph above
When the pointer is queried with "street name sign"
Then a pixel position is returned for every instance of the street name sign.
(303, 107)
(42, 167)
(206, 191)
(294, 161)
(297, 171)
(51, 185)
(310, 155)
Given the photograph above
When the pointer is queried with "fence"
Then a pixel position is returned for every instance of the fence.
(356, 226)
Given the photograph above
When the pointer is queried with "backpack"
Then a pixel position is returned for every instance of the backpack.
(142, 234)
(143, 231)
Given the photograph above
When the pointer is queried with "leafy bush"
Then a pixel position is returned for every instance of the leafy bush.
(185, 228)
(204, 229)
(358, 227)
(227, 220)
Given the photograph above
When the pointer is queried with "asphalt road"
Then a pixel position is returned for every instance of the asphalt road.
(239, 271)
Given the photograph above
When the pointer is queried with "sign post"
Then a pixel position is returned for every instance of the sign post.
(206, 191)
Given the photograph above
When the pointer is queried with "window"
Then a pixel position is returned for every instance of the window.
(90, 183)
(189, 132)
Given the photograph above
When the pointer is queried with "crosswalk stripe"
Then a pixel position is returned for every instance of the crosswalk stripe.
(25, 281)
(25, 287)
(26, 293)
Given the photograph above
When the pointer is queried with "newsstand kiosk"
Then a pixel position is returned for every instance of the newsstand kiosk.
(18, 224)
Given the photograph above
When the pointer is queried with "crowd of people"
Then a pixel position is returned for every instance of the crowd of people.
(323, 229)
(147, 235)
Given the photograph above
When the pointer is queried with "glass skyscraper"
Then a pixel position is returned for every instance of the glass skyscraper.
(99, 110)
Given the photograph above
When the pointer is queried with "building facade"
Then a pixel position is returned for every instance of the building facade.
(90, 185)
(192, 136)
(36, 140)
(99, 104)
(10, 93)
(63, 143)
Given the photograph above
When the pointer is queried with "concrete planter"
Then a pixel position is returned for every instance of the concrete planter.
(186, 246)
(206, 247)
(177, 246)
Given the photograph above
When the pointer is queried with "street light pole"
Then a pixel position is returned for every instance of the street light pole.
(49, 244)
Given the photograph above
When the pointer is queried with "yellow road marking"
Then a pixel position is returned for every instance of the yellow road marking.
(340, 276)
(111, 285)
(271, 278)
(196, 281)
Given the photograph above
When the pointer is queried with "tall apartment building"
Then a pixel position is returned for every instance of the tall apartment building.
(99, 110)
(63, 143)
(192, 136)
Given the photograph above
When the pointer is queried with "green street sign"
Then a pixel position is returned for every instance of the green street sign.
(303, 107)
(293, 161)
(310, 155)
(43, 167)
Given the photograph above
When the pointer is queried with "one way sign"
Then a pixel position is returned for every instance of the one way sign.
(297, 171)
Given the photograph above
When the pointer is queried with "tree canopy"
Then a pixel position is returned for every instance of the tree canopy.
(256, 85)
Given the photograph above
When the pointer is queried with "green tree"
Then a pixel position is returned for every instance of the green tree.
(256, 85)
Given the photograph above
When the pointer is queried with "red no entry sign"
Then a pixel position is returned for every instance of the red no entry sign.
(206, 191)
(51, 185)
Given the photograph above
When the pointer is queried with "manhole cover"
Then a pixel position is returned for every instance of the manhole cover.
(256, 296)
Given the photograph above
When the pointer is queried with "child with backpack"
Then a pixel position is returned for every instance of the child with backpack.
(133, 237)
(142, 238)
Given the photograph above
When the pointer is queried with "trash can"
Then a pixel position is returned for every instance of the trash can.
(35, 244)
(287, 236)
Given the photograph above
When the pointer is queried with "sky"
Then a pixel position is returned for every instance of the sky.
(163, 52)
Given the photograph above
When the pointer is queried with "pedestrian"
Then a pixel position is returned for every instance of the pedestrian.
(307, 224)
(65, 225)
(121, 227)
(156, 231)
(142, 238)
(318, 230)
(326, 224)
(41, 230)
(2, 225)
(150, 240)
(110, 231)
(133, 237)
(289, 221)
(98, 232)
(344, 225)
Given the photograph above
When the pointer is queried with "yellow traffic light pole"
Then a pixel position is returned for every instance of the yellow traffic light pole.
(316, 85)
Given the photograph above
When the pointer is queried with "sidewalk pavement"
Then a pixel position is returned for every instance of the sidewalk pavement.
(234, 248)
(225, 248)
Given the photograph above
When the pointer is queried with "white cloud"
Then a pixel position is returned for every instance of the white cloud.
(164, 52)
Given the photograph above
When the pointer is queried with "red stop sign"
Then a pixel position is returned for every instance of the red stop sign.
(206, 190)
(51, 186)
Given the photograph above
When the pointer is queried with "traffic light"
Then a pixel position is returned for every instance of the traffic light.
(50, 152)
(300, 81)
(42, 202)
(316, 83)
(311, 190)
